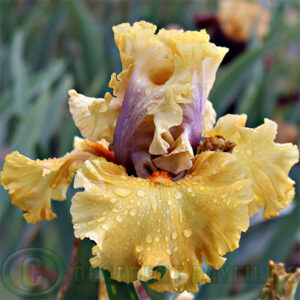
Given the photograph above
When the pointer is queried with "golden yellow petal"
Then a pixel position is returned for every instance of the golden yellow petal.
(95, 117)
(267, 162)
(33, 183)
(239, 19)
(28, 184)
(162, 223)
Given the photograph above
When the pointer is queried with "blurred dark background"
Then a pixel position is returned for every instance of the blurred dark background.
(49, 47)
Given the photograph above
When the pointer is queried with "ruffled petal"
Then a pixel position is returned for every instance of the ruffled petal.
(164, 93)
(33, 183)
(240, 18)
(162, 223)
(95, 117)
(268, 163)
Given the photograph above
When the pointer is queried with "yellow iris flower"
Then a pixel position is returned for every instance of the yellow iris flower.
(156, 200)
(239, 19)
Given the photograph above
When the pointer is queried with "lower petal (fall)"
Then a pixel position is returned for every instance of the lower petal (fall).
(140, 224)
(33, 183)
(267, 162)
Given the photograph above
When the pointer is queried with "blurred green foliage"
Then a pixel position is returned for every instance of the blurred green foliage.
(49, 47)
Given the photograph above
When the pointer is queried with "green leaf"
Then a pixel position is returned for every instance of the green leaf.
(89, 38)
(229, 81)
(27, 135)
(19, 73)
(54, 110)
(85, 279)
(119, 290)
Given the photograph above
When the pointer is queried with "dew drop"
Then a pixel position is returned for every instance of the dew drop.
(190, 189)
(139, 249)
(149, 238)
(112, 200)
(178, 195)
(174, 235)
(133, 212)
(168, 251)
(239, 188)
(100, 220)
(167, 238)
(121, 192)
(174, 274)
(105, 226)
(169, 202)
(119, 218)
(187, 233)
(140, 193)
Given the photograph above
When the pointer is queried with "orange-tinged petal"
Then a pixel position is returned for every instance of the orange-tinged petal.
(139, 224)
(33, 183)
(267, 162)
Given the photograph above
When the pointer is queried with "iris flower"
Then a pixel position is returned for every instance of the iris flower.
(239, 19)
(160, 186)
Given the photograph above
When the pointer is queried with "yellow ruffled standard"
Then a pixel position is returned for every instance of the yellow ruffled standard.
(161, 72)
(198, 197)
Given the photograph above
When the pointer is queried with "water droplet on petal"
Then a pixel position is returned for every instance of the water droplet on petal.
(139, 249)
(133, 212)
(168, 251)
(178, 195)
(140, 193)
(119, 218)
(174, 235)
(105, 226)
(100, 220)
(174, 274)
(169, 202)
(187, 233)
(190, 189)
(149, 238)
(112, 200)
(121, 192)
